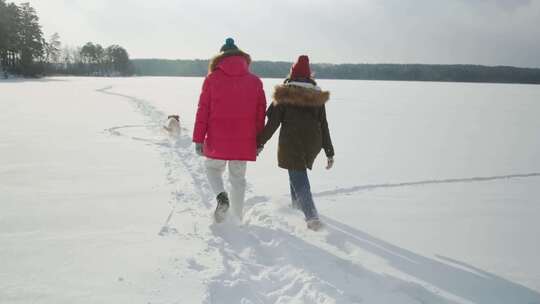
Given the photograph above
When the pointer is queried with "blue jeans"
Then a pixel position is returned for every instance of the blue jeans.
(301, 194)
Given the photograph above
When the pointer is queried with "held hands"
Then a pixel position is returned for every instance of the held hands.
(199, 149)
(329, 163)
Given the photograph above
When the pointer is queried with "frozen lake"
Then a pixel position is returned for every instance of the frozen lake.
(434, 199)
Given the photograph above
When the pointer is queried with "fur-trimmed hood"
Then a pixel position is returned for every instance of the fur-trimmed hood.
(214, 62)
(300, 94)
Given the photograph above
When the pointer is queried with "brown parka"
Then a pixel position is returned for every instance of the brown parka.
(301, 112)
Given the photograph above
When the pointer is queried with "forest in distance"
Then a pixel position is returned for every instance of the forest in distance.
(24, 51)
(364, 71)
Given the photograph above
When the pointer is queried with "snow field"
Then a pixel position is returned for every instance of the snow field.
(98, 199)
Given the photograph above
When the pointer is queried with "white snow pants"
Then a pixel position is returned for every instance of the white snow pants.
(237, 177)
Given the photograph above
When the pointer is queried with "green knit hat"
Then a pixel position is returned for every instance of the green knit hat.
(229, 46)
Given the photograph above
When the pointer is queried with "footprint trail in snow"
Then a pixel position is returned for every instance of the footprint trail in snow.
(271, 257)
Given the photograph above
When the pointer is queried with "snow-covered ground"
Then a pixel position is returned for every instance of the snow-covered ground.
(434, 199)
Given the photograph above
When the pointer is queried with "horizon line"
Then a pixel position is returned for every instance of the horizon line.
(358, 63)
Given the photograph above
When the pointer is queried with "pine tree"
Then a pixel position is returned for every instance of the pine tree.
(29, 38)
(119, 60)
(10, 16)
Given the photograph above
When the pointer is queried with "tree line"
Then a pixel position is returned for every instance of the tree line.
(24, 50)
(405, 72)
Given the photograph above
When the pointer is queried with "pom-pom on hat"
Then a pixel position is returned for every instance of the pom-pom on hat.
(301, 68)
(228, 46)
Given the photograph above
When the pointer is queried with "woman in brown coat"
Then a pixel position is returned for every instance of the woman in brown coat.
(299, 107)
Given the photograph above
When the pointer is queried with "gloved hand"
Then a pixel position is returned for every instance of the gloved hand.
(329, 163)
(199, 149)
(259, 149)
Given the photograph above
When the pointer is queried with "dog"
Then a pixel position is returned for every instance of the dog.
(172, 126)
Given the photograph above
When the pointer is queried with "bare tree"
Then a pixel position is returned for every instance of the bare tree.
(53, 49)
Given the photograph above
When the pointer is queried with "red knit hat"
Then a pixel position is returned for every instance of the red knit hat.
(301, 68)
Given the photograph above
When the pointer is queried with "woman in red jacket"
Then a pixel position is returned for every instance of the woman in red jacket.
(231, 113)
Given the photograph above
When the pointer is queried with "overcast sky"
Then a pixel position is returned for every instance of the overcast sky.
(491, 32)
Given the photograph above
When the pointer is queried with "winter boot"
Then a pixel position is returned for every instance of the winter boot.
(314, 224)
(222, 207)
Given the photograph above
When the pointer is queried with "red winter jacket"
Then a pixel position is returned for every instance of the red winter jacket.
(231, 111)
